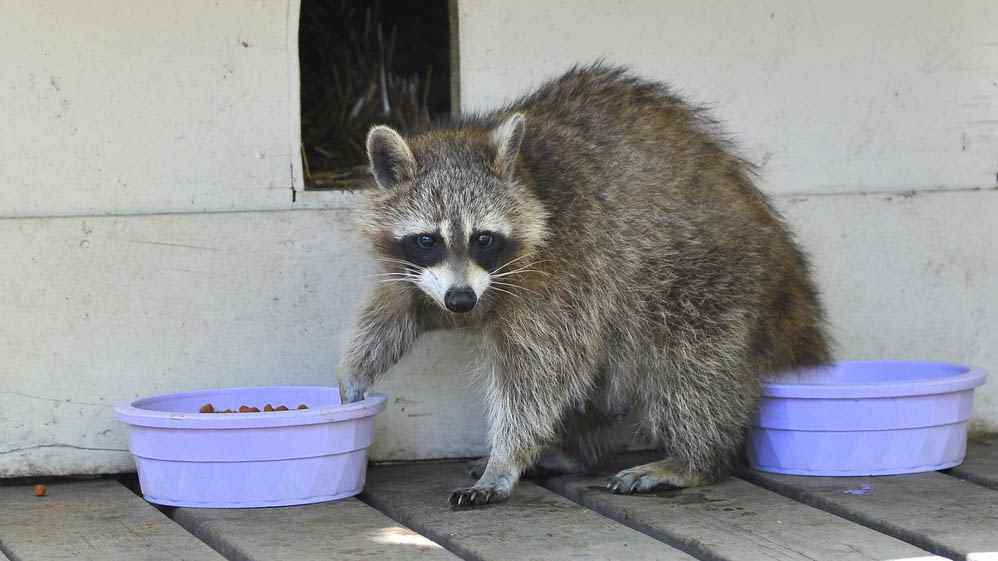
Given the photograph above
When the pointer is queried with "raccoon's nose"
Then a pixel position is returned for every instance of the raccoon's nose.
(460, 300)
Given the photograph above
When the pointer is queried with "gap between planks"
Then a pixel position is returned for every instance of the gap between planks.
(734, 520)
(98, 519)
(535, 524)
(345, 530)
(934, 511)
(981, 464)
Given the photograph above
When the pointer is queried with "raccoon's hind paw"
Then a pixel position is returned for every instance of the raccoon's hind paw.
(664, 474)
(470, 497)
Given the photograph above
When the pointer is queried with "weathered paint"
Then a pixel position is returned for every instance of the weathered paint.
(909, 276)
(91, 520)
(735, 521)
(97, 310)
(167, 297)
(933, 511)
(116, 107)
(346, 530)
(839, 97)
(534, 524)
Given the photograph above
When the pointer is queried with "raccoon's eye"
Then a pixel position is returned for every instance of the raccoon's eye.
(484, 239)
(425, 241)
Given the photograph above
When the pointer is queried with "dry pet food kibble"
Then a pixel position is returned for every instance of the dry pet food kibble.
(209, 408)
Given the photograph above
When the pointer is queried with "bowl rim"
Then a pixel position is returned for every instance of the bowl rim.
(130, 413)
(967, 378)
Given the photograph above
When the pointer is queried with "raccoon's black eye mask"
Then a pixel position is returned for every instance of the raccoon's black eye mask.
(428, 249)
(424, 250)
(486, 248)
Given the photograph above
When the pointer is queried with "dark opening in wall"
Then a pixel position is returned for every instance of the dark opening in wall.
(365, 63)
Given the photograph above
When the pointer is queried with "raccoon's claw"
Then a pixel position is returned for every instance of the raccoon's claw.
(471, 497)
(352, 392)
(664, 474)
(630, 483)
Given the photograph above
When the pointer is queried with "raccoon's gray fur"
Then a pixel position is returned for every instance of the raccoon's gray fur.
(617, 258)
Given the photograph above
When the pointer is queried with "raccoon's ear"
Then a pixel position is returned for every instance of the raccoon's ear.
(506, 139)
(391, 159)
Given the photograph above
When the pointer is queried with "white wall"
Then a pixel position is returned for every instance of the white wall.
(146, 246)
(100, 309)
(829, 97)
(875, 125)
(148, 238)
(121, 107)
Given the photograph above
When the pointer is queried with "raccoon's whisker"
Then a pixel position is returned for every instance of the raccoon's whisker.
(508, 263)
(412, 272)
(499, 276)
(407, 267)
(387, 276)
(398, 261)
(517, 271)
(521, 267)
(496, 288)
(410, 281)
(511, 285)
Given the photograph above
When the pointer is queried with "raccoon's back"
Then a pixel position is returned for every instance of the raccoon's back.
(647, 199)
(598, 132)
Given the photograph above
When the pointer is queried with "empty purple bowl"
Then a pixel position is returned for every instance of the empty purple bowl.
(239, 460)
(864, 418)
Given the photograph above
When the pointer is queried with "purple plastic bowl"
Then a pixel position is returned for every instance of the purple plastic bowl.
(239, 460)
(864, 418)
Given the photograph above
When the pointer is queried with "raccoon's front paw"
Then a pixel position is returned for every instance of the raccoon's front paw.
(470, 497)
(476, 468)
(352, 391)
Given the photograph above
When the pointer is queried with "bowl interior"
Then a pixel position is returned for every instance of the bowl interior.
(314, 397)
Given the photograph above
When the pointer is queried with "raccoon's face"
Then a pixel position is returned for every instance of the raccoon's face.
(453, 261)
(450, 218)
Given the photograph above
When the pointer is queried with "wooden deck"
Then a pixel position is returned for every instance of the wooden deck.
(403, 515)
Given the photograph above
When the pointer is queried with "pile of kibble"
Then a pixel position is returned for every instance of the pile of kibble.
(209, 408)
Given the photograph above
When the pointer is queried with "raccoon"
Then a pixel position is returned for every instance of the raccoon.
(625, 273)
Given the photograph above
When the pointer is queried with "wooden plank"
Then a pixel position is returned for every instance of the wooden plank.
(92, 520)
(981, 464)
(737, 521)
(939, 513)
(346, 530)
(534, 524)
